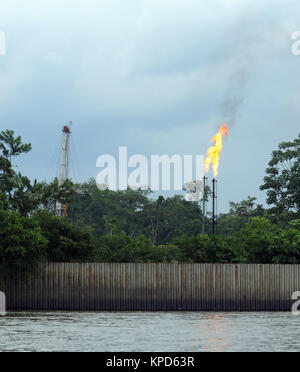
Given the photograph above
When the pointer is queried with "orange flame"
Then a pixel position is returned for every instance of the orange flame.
(213, 153)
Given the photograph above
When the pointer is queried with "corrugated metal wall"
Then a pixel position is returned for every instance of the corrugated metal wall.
(155, 287)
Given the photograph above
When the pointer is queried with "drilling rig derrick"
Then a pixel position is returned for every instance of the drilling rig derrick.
(63, 173)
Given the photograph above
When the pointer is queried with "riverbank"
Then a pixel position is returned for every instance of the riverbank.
(154, 287)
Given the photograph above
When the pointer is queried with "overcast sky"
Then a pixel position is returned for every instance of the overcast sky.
(158, 76)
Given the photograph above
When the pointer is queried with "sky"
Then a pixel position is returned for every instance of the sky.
(157, 76)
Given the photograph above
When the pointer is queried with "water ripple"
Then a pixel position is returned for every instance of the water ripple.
(153, 332)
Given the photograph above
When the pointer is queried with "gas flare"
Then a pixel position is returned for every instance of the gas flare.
(213, 153)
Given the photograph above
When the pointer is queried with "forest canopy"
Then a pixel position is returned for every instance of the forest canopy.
(132, 226)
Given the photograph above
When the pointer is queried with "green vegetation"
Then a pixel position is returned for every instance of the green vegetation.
(130, 226)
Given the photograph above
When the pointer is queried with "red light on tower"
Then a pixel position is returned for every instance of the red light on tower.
(67, 128)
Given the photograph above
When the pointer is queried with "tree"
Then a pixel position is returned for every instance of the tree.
(285, 247)
(210, 249)
(167, 218)
(16, 191)
(10, 146)
(282, 181)
(66, 242)
(267, 243)
(96, 207)
(295, 224)
(22, 244)
(256, 237)
(239, 214)
(52, 193)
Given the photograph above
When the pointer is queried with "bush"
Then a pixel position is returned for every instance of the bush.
(22, 244)
(210, 249)
(66, 242)
(267, 243)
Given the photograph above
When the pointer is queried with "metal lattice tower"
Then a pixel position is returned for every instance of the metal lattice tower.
(61, 210)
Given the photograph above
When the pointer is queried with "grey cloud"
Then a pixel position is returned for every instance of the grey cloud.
(156, 75)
